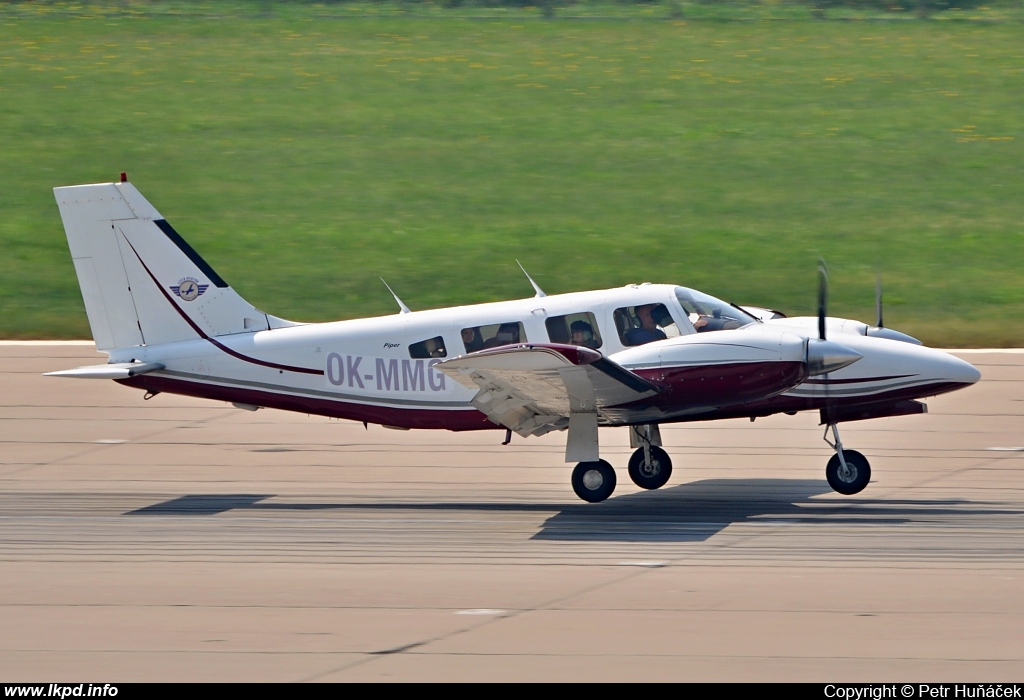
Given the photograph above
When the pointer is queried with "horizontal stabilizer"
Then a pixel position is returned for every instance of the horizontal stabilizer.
(116, 370)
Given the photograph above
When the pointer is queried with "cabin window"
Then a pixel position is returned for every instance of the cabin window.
(574, 329)
(431, 347)
(644, 323)
(493, 335)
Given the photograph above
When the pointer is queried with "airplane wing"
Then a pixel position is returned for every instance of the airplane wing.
(533, 388)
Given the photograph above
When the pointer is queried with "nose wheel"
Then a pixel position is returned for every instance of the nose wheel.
(650, 467)
(851, 480)
(848, 471)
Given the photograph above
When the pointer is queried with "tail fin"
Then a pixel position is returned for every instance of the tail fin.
(141, 282)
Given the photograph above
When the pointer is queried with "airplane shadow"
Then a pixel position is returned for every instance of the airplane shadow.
(694, 512)
(690, 512)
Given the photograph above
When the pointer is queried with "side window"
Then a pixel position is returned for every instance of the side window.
(493, 336)
(431, 347)
(637, 325)
(574, 329)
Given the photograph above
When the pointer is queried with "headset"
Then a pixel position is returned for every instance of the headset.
(582, 327)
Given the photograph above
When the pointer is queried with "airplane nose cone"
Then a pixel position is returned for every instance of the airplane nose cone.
(961, 371)
(824, 356)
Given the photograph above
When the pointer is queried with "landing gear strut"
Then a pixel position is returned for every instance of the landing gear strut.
(594, 479)
(649, 466)
(848, 472)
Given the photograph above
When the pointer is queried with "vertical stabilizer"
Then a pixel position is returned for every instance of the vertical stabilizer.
(141, 282)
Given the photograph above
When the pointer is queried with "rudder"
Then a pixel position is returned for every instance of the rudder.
(141, 282)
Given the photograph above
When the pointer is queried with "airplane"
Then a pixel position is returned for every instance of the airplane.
(640, 356)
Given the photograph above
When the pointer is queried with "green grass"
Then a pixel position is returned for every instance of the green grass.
(304, 155)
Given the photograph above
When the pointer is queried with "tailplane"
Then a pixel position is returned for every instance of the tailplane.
(141, 282)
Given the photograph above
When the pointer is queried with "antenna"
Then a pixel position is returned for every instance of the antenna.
(401, 304)
(540, 292)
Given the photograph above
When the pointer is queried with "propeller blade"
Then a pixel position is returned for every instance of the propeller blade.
(822, 297)
(878, 300)
(827, 364)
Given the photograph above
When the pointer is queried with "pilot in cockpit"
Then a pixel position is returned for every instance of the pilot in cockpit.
(648, 330)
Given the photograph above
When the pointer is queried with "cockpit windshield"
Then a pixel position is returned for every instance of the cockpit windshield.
(709, 314)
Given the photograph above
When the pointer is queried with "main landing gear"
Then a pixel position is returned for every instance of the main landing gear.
(593, 481)
(649, 467)
(848, 472)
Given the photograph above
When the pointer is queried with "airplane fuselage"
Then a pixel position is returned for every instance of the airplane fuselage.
(364, 370)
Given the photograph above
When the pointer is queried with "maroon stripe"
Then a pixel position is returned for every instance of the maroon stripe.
(197, 329)
(471, 419)
(856, 381)
(708, 386)
(427, 418)
(794, 404)
(264, 363)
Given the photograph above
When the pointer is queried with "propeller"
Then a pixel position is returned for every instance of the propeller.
(825, 367)
(822, 297)
(823, 355)
(879, 330)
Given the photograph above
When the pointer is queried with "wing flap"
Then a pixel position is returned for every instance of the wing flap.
(533, 389)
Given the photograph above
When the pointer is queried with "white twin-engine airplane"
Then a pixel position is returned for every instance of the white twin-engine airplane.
(637, 356)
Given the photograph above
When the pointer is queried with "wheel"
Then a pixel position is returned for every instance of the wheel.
(653, 475)
(860, 473)
(593, 481)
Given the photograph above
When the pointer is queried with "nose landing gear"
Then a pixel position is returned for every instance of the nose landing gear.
(848, 471)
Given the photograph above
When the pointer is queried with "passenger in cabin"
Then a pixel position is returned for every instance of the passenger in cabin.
(583, 334)
(471, 338)
(435, 347)
(431, 347)
(648, 330)
(508, 334)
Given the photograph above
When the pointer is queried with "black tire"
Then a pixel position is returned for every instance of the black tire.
(860, 477)
(593, 481)
(654, 477)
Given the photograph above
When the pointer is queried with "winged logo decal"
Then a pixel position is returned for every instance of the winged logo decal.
(189, 289)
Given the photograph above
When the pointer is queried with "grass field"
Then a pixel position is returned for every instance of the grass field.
(305, 154)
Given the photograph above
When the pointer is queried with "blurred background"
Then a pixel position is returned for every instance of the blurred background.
(306, 149)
